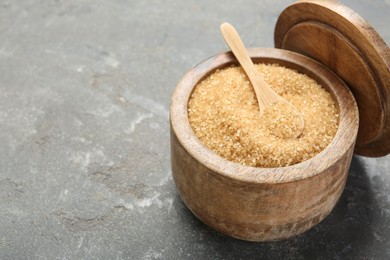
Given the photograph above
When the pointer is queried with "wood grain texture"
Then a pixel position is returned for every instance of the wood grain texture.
(335, 35)
(261, 204)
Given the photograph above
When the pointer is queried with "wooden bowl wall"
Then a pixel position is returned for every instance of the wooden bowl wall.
(261, 204)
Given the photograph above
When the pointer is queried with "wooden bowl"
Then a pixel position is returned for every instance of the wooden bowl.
(261, 204)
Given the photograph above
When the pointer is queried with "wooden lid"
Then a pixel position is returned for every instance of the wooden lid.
(336, 36)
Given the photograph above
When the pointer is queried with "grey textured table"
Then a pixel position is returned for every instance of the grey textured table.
(84, 158)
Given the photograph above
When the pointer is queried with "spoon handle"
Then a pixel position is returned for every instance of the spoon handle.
(266, 96)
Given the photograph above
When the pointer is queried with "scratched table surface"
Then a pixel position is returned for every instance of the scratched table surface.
(85, 169)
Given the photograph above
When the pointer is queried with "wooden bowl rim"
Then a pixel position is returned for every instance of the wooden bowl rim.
(343, 140)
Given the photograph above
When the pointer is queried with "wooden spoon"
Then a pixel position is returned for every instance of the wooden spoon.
(266, 96)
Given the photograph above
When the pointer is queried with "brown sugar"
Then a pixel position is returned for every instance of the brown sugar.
(283, 120)
(224, 114)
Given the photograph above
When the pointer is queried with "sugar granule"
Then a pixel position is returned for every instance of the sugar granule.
(224, 114)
